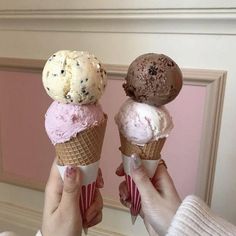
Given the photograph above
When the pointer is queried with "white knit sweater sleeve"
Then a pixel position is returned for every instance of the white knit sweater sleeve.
(38, 234)
(195, 218)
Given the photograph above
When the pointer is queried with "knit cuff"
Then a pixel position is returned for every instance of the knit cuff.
(195, 218)
(38, 234)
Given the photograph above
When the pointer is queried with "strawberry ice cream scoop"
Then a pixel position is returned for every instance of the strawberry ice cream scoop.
(64, 121)
(141, 123)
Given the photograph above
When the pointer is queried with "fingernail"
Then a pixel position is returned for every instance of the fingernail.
(123, 197)
(136, 161)
(117, 170)
(100, 183)
(71, 172)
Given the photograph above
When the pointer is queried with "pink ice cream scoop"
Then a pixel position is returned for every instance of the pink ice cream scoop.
(64, 121)
(141, 123)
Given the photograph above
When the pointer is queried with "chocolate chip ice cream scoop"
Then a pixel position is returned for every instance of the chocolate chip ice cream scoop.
(154, 79)
(74, 77)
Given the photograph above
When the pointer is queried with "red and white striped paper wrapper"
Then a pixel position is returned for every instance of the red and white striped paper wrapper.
(89, 174)
(150, 166)
(134, 196)
(87, 197)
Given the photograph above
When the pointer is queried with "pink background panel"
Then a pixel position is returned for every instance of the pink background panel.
(26, 150)
(27, 153)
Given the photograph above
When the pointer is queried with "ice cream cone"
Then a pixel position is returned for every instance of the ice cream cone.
(84, 151)
(150, 154)
(149, 151)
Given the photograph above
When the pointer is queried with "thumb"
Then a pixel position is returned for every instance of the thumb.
(71, 188)
(141, 179)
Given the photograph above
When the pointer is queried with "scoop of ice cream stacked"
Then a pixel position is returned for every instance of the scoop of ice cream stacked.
(75, 122)
(144, 123)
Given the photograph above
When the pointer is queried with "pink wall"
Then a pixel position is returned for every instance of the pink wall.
(27, 153)
(26, 150)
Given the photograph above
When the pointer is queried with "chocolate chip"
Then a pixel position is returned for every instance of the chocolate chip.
(83, 90)
(86, 79)
(87, 93)
(62, 71)
(170, 63)
(152, 70)
(48, 89)
(68, 96)
(54, 55)
(81, 81)
(71, 100)
(130, 91)
(77, 64)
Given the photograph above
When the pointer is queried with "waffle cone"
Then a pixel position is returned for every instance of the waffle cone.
(150, 151)
(84, 149)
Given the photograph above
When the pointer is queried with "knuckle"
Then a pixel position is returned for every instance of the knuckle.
(70, 188)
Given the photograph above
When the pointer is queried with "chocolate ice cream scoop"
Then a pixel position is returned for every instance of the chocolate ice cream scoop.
(154, 79)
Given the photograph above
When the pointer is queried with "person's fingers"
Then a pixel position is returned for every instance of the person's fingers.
(149, 228)
(163, 182)
(96, 220)
(71, 189)
(95, 207)
(124, 194)
(123, 191)
(99, 181)
(53, 190)
(125, 203)
(141, 179)
(120, 170)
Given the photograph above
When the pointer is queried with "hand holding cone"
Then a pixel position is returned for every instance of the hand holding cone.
(75, 122)
(152, 81)
(150, 155)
